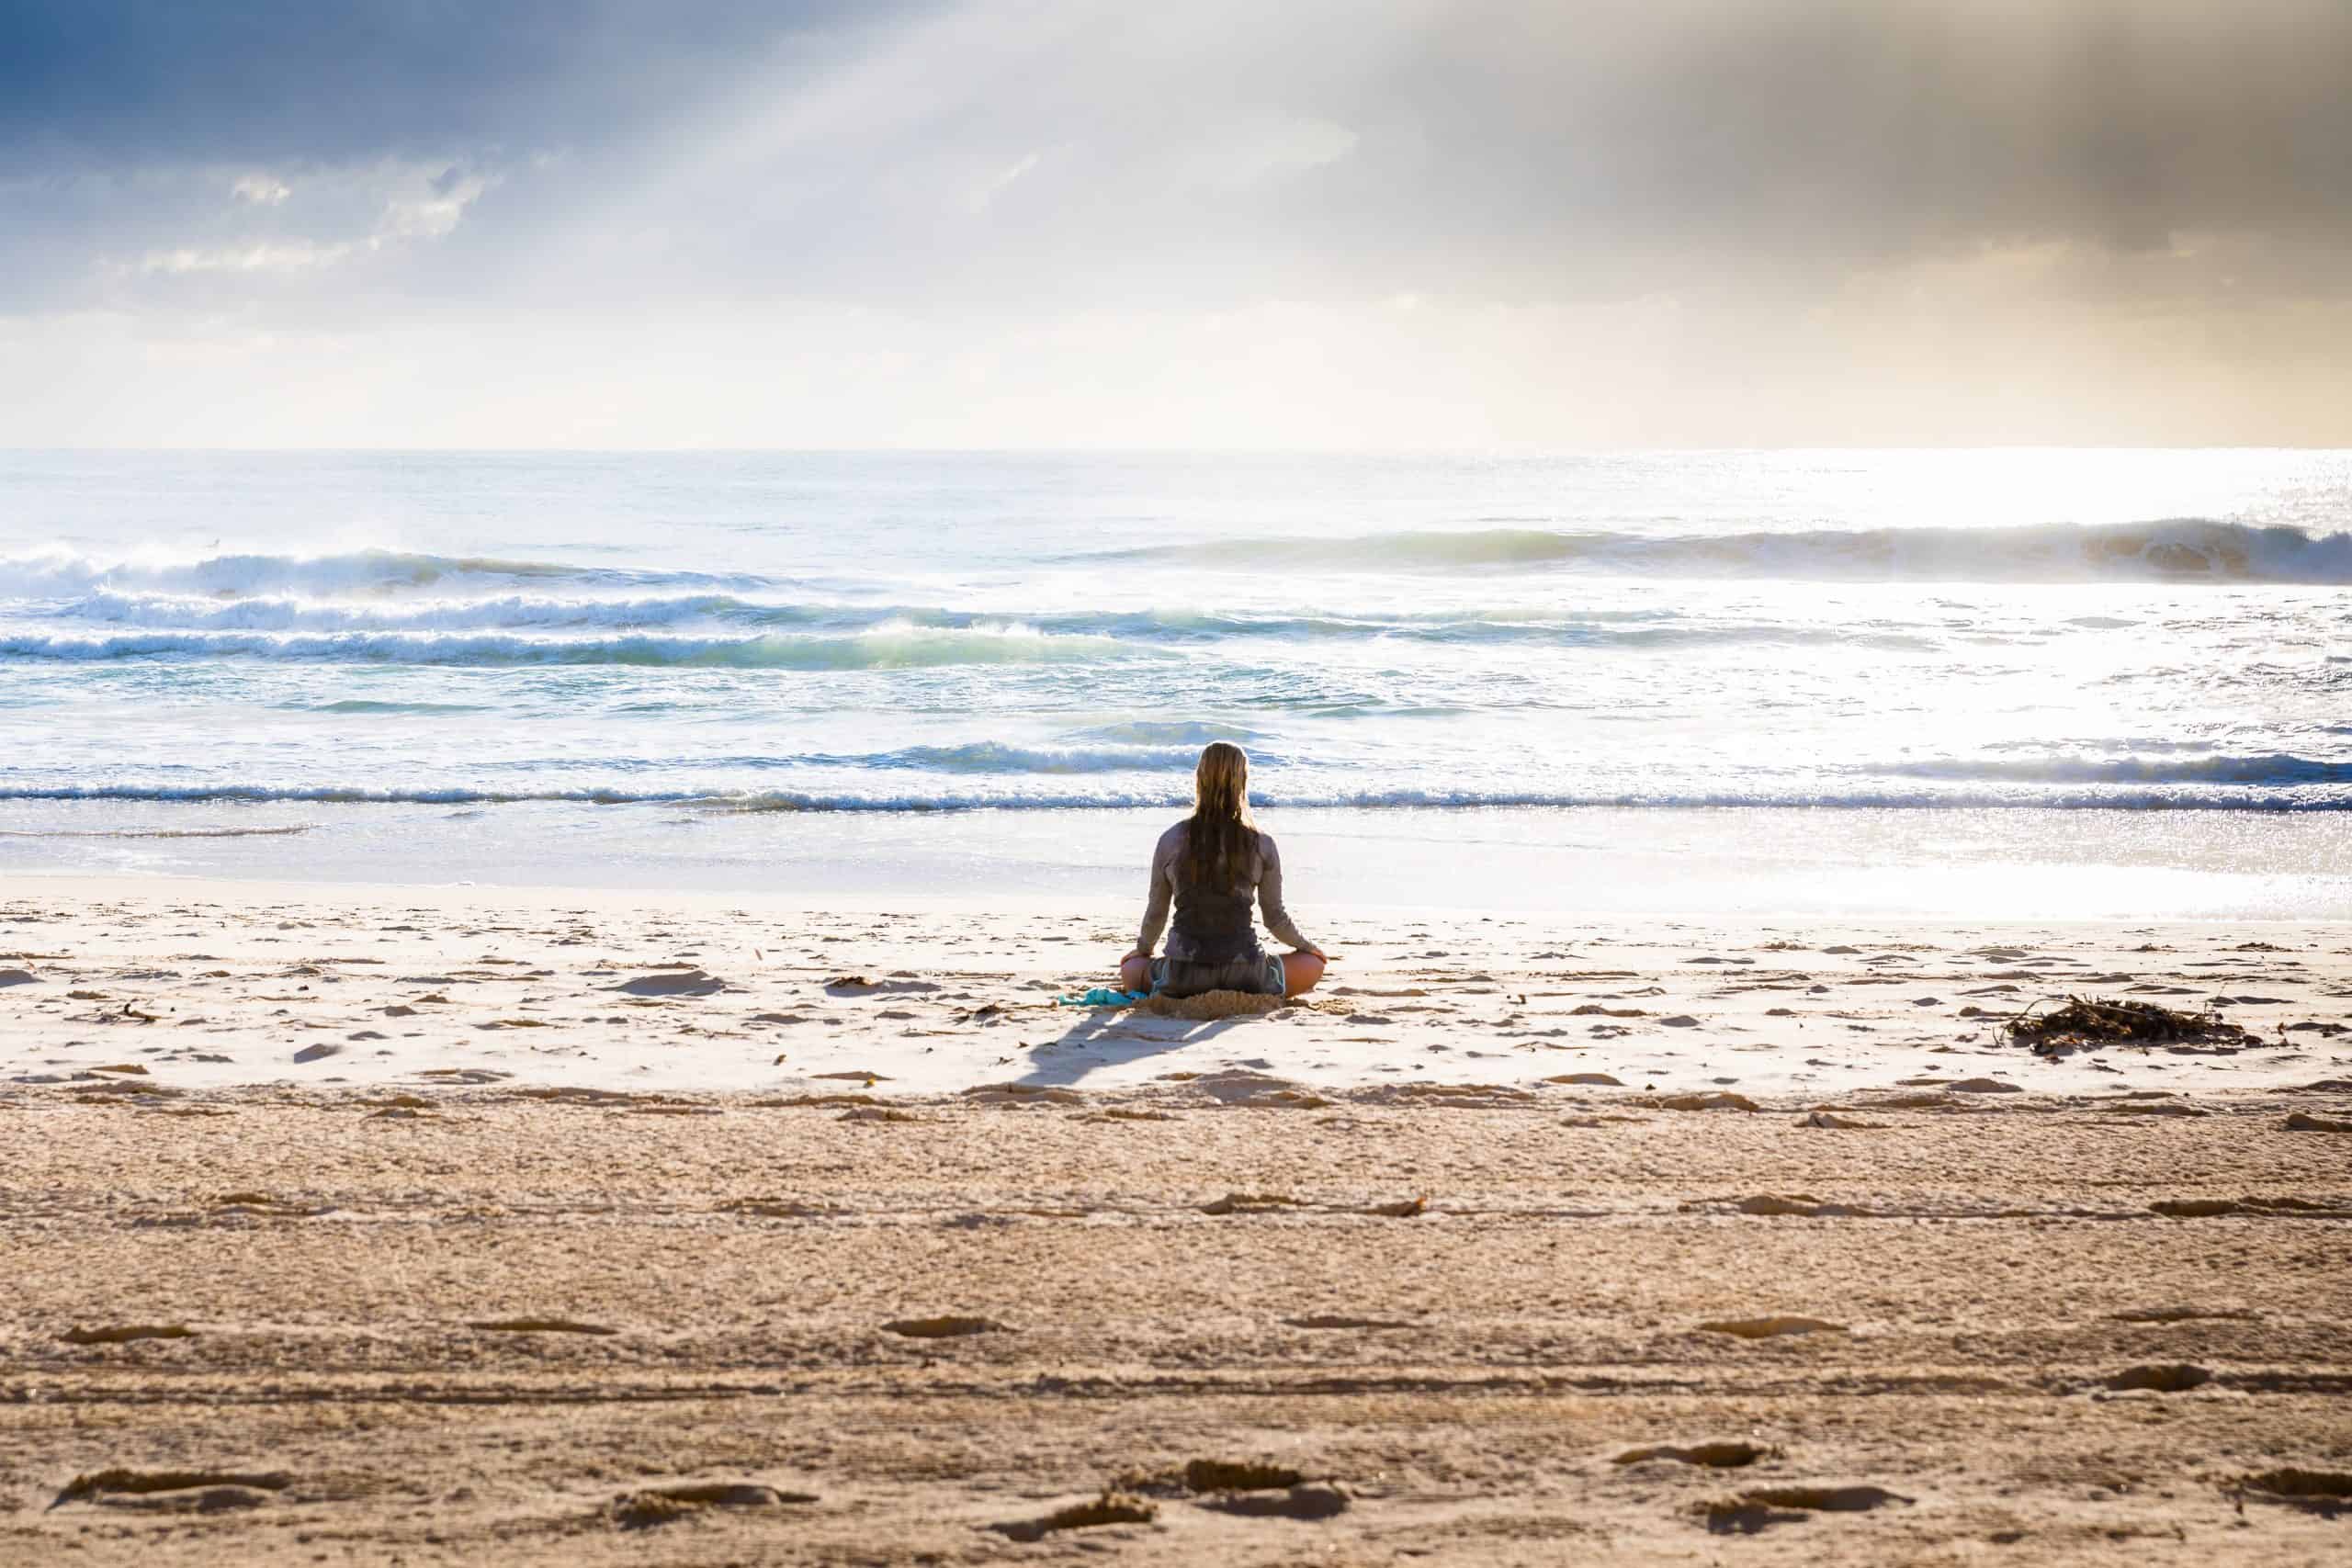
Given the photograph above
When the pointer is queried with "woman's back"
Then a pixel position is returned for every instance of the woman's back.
(1213, 923)
(1210, 869)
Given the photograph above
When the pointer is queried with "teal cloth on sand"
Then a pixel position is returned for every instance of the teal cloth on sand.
(1103, 996)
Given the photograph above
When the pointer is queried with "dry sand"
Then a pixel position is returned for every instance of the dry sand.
(570, 1266)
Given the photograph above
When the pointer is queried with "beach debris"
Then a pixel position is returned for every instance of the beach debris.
(1098, 996)
(1716, 1456)
(1239, 1475)
(1110, 1508)
(948, 1327)
(123, 1334)
(662, 1504)
(2087, 1021)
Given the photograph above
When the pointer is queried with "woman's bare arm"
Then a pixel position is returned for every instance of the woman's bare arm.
(1269, 897)
(1162, 893)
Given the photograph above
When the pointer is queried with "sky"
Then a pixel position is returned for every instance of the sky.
(1345, 224)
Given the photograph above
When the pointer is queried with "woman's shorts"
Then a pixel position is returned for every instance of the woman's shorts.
(1183, 977)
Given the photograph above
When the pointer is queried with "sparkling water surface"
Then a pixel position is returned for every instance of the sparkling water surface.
(586, 663)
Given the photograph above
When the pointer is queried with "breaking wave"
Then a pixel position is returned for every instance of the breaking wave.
(2175, 550)
(373, 573)
(2172, 797)
(886, 646)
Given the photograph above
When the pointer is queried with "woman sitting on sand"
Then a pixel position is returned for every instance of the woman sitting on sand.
(1214, 864)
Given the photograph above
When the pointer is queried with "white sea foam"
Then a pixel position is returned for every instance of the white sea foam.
(892, 645)
(152, 614)
(58, 572)
(2171, 797)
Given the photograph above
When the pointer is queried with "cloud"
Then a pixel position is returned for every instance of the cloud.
(140, 81)
(1727, 186)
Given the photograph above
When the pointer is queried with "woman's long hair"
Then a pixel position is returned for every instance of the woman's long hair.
(1222, 837)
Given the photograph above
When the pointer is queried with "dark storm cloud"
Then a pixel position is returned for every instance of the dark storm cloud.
(1047, 153)
(145, 81)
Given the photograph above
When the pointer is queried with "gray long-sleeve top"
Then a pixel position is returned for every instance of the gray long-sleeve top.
(1264, 874)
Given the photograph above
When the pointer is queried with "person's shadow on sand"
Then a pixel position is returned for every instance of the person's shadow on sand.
(1111, 1037)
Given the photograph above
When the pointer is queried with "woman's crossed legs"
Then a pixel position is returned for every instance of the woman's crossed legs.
(1301, 970)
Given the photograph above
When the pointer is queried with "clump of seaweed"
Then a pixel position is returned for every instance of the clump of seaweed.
(1239, 1475)
(2091, 1021)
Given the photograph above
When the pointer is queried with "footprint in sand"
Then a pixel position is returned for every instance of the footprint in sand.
(1774, 1327)
(125, 1333)
(663, 1504)
(1314, 1500)
(1752, 1511)
(174, 1491)
(2323, 1491)
(539, 1326)
(949, 1327)
(1110, 1508)
(1326, 1321)
(2176, 1377)
(1716, 1456)
(673, 983)
(2183, 1314)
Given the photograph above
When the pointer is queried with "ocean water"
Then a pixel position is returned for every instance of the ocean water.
(970, 670)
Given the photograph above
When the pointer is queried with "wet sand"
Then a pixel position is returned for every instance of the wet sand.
(581, 1292)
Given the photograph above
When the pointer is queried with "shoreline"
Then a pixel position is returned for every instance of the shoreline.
(1748, 863)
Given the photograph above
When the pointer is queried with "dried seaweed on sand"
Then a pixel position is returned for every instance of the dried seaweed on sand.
(2085, 1022)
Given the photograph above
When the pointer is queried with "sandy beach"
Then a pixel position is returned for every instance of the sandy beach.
(475, 1225)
